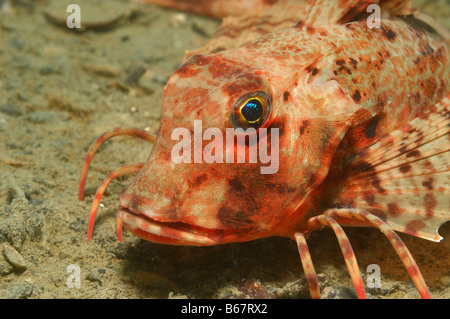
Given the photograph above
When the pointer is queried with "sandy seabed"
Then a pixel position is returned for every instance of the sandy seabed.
(58, 91)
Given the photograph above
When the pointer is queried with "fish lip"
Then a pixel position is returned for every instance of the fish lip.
(177, 233)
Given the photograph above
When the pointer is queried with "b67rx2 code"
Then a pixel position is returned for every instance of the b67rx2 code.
(246, 308)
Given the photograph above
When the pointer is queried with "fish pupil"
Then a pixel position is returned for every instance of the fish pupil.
(252, 110)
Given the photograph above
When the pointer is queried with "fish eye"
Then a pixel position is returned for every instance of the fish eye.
(251, 110)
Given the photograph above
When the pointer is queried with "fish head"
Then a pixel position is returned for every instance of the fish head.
(234, 157)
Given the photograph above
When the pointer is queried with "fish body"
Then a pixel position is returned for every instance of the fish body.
(325, 82)
(357, 117)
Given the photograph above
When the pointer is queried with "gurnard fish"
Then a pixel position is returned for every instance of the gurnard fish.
(362, 139)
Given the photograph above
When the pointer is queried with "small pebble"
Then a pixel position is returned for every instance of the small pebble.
(16, 291)
(5, 267)
(10, 109)
(91, 276)
(45, 116)
(178, 20)
(46, 70)
(35, 223)
(338, 293)
(16, 43)
(77, 225)
(14, 257)
(3, 125)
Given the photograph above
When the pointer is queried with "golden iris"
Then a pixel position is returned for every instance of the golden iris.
(251, 110)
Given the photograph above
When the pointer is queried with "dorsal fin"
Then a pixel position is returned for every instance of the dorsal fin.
(326, 12)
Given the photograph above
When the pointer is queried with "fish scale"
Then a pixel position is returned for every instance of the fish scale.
(356, 116)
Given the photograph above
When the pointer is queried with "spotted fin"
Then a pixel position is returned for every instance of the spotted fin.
(405, 177)
(244, 20)
(326, 12)
(237, 30)
(215, 8)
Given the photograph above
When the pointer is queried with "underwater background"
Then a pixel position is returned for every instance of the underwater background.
(59, 90)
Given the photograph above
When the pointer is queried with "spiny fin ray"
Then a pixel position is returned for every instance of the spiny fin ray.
(405, 177)
(325, 12)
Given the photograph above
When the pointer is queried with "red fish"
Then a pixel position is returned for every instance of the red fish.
(354, 116)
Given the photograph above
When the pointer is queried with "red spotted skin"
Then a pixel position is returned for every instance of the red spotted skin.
(336, 89)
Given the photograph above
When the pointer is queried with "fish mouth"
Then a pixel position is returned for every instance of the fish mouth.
(175, 233)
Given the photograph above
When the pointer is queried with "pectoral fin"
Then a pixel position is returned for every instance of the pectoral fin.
(404, 178)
